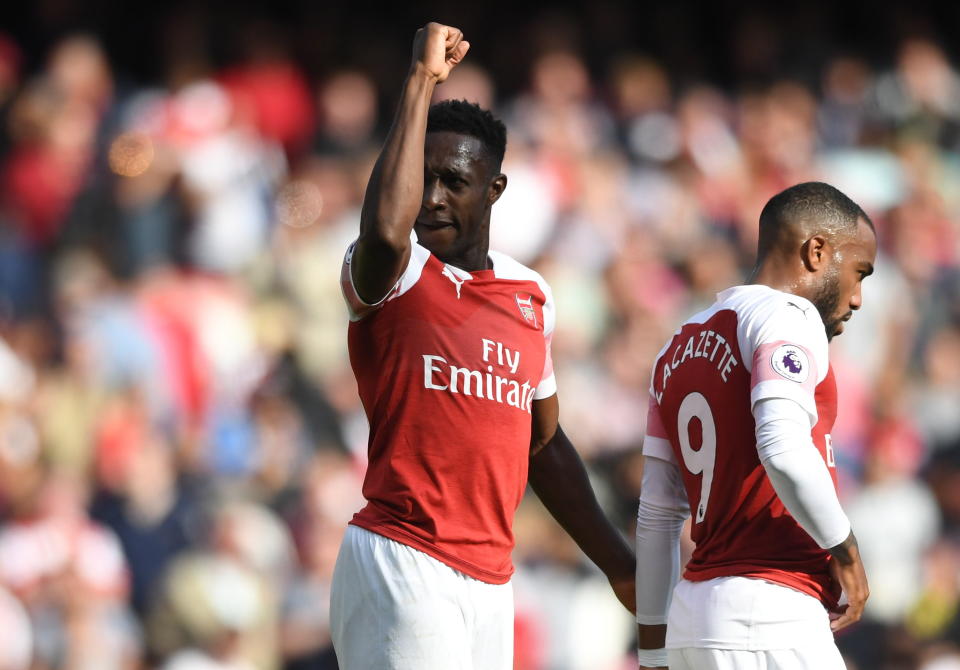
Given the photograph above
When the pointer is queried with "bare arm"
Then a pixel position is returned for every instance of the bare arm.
(847, 568)
(395, 190)
(560, 480)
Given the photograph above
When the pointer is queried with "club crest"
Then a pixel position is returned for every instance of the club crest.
(525, 304)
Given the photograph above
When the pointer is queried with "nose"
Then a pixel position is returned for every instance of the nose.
(856, 300)
(433, 197)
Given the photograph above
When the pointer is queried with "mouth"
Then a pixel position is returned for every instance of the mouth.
(838, 326)
(435, 224)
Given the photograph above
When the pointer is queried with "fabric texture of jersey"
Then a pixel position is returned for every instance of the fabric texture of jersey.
(753, 343)
(447, 366)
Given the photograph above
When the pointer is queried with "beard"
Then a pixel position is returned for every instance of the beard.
(827, 300)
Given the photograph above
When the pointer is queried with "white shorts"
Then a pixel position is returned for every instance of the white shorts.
(735, 659)
(738, 622)
(393, 607)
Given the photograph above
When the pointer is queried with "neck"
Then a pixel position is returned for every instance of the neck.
(777, 275)
(472, 260)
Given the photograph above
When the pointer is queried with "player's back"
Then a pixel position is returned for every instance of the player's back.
(753, 343)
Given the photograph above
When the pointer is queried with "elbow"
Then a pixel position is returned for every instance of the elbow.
(538, 445)
(653, 516)
(385, 224)
(382, 240)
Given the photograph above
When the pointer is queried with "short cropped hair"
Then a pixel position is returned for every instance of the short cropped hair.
(468, 118)
(811, 207)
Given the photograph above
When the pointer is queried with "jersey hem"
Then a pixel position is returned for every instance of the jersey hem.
(458, 564)
(802, 582)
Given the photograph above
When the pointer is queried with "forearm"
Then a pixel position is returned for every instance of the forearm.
(558, 477)
(803, 484)
(797, 471)
(661, 512)
(395, 190)
(658, 559)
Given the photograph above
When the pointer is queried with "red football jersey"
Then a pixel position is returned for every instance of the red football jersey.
(753, 343)
(447, 367)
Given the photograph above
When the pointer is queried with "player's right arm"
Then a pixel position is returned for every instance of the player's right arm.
(395, 190)
(661, 512)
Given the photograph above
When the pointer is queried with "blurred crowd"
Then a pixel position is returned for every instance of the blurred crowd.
(181, 441)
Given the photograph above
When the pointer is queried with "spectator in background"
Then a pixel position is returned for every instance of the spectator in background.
(165, 309)
(16, 638)
(348, 107)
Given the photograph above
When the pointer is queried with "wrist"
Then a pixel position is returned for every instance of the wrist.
(652, 658)
(621, 564)
(847, 551)
(421, 73)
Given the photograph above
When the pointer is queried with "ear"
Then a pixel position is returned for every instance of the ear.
(815, 253)
(497, 186)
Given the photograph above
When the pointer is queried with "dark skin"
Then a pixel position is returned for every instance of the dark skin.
(461, 183)
(442, 185)
(828, 270)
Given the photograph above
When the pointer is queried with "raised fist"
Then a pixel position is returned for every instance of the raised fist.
(438, 49)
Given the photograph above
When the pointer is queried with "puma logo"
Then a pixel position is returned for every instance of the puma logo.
(449, 274)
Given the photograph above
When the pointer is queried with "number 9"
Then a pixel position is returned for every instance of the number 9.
(699, 461)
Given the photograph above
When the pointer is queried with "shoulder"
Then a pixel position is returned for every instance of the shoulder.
(771, 314)
(785, 331)
(792, 318)
(505, 267)
(357, 308)
(509, 269)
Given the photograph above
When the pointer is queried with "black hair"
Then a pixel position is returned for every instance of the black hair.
(811, 207)
(468, 118)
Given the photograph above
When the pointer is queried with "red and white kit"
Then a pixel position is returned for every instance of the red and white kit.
(447, 365)
(756, 576)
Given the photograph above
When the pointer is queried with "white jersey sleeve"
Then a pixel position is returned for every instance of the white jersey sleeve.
(660, 515)
(548, 382)
(655, 442)
(784, 345)
(797, 472)
(356, 307)
(662, 509)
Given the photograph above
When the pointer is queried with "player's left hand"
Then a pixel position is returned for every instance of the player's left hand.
(847, 568)
(625, 589)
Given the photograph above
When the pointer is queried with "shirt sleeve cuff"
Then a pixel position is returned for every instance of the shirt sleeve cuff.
(546, 388)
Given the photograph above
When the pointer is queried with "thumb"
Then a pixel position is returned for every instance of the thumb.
(459, 52)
